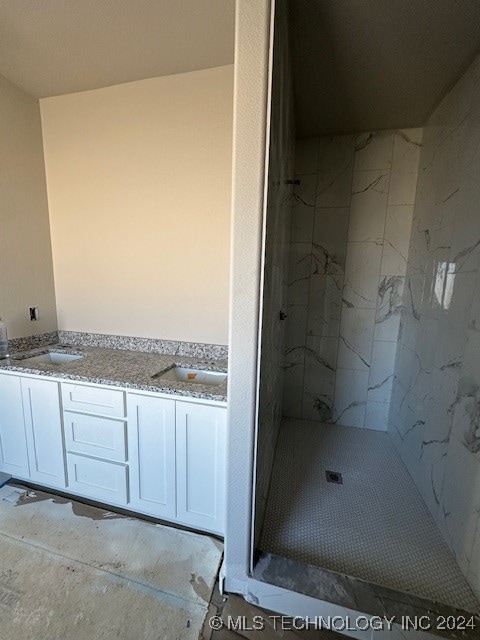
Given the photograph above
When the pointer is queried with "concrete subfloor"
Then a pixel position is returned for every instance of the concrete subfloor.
(74, 572)
(70, 571)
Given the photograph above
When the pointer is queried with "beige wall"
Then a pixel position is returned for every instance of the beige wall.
(138, 179)
(26, 274)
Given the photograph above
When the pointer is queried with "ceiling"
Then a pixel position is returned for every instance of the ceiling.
(377, 64)
(53, 47)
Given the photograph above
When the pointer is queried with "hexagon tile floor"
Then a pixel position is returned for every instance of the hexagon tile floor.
(375, 526)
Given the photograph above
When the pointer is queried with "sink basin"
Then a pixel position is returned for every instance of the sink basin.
(194, 376)
(52, 357)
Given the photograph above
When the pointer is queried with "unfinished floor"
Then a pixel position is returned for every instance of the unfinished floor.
(68, 570)
(374, 526)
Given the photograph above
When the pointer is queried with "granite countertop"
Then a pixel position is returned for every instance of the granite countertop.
(121, 368)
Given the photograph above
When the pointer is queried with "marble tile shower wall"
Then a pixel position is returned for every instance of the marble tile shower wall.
(435, 409)
(351, 222)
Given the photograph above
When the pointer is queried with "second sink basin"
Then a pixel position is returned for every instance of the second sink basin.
(195, 376)
(52, 357)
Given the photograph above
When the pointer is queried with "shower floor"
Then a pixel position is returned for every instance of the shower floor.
(375, 526)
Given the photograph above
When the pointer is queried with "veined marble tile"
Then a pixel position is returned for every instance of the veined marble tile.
(460, 509)
(403, 185)
(389, 307)
(405, 161)
(473, 574)
(299, 270)
(349, 402)
(471, 357)
(395, 419)
(361, 274)
(325, 305)
(407, 367)
(335, 166)
(394, 434)
(306, 155)
(474, 320)
(451, 293)
(438, 241)
(412, 422)
(373, 150)
(435, 439)
(429, 476)
(320, 360)
(413, 299)
(368, 206)
(406, 148)
(465, 244)
(318, 404)
(418, 246)
(427, 339)
(439, 404)
(465, 426)
(382, 371)
(295, 334)
(450, 351)
(303, 209)
(396, 240)
(330, 240)
(356, 338)
(292, 390)
(376, 416)
(466, 409)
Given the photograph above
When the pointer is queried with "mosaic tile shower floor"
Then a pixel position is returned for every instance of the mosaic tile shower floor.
(375, 526)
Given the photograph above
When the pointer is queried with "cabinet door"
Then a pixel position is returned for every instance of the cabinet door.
(41, 406)
(201, 451)
(151, 454)
(13, 443)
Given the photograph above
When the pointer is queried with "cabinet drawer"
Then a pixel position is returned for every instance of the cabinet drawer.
(105, 481)
(95, 436)
(105, 402)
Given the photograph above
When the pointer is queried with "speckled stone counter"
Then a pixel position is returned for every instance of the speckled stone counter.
(121, 368)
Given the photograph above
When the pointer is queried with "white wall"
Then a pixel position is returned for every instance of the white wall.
(26, 273)
(138, 179)
(252, 44)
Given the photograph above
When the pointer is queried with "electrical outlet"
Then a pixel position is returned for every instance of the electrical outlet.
(33, 313)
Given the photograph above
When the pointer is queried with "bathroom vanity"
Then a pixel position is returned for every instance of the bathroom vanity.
(158, 449)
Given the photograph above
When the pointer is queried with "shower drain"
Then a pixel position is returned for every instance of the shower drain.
(334, 476)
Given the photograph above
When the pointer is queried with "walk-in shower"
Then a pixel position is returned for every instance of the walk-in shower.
(368, 443)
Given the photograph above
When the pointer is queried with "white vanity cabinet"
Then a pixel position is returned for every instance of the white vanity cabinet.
(41, 409)
(31, 440)
(95, 425)
(145, 452)
(177, 453)
(13, 440)
(151, 444)
(201, 432)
